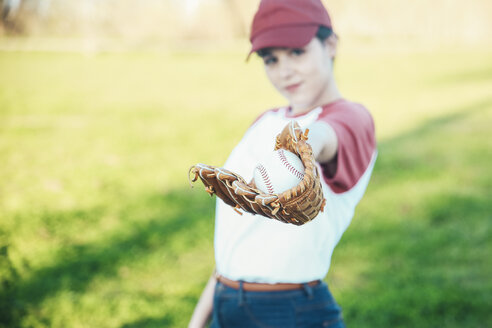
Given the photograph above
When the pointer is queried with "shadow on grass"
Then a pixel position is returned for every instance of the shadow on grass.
(430, 271)
(9, 312)
(427, 149)
(428, 264)
(150, 323)
(183, 214)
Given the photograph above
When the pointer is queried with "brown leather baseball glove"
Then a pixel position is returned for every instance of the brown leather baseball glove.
(297, 205)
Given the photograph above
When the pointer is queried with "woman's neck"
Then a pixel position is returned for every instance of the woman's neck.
(332, 95)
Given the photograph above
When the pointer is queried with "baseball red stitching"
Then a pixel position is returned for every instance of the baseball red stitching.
(287, 164)
(266, 178)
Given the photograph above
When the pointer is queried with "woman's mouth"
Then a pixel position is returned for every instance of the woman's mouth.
(292, 87)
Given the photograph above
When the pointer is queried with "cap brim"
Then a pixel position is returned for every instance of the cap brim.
(284, 37)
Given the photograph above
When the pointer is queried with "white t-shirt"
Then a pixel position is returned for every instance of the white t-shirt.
(254, 248)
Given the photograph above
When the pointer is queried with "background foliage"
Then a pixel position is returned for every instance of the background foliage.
(142, 23)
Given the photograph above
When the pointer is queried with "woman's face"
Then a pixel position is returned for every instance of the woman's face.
(303, 76)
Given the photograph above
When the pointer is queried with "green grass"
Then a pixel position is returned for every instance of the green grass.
(99, 228)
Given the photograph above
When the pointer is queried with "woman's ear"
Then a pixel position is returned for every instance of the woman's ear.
(331, 45)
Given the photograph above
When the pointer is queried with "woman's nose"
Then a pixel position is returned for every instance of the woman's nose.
(286, 68)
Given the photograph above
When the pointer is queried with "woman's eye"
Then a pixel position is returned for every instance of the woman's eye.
(269, 60)
(297, 52)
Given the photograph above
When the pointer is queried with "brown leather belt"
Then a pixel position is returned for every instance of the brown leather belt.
(259, 287)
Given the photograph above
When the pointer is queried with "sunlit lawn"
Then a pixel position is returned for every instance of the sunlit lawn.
(99, 228)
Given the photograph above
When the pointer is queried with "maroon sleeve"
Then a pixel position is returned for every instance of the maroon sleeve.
(354, 127)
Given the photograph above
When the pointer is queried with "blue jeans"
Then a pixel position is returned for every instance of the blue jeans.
(307, 307)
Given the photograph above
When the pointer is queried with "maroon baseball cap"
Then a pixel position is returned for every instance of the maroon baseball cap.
(287, 23)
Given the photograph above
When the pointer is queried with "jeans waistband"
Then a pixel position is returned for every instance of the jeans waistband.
(262, 287)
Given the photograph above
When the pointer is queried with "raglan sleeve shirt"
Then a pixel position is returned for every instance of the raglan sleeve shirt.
(256, 249)
(354, 128)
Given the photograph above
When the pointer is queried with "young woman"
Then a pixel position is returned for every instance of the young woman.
(268, 273)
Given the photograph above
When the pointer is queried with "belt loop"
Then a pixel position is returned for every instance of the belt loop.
(308, 290)
(241, 293)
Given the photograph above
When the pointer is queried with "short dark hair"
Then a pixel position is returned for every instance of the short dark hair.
(322, 34)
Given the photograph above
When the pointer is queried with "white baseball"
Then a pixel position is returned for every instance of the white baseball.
(278, 172)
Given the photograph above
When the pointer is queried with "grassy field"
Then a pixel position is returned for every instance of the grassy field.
(99, 227)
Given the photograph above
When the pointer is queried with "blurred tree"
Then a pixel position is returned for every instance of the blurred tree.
(16, 14)
(436, 22)
(9, 10)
